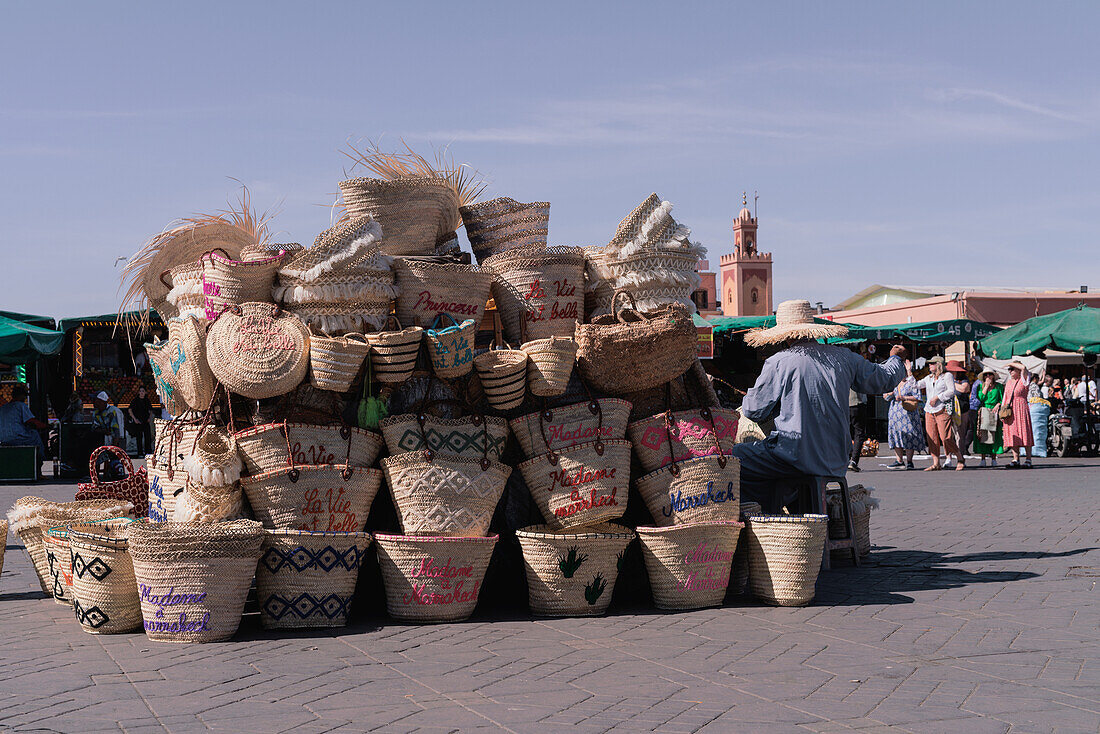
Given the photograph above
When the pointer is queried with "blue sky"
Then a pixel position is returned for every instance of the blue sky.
(916, 143)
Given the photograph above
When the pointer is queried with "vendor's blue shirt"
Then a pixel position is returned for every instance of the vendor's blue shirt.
(805, 388)
(13, 425)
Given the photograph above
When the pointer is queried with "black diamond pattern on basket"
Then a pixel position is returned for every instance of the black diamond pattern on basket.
(453, 442)
(302, 559)
(93, 617)
(95, 567)
(305, 606)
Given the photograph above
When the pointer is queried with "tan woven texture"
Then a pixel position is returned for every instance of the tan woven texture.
(785, 557)
(203, 503)
(557, 428)
(693, 434)
(451, 347)
(193, 578)
(447, 495)
(630, 351)
(56, 544)
(228, 282)
(549, 365)
(432, 579)
(415, 213)
(584, 484)
(105, 595)
(328, 498)
(503, 224)
(259, 352)
(334, 362)
(503, 375)
(393, 353)
(689, 565)
(264, 448)
(307, 580)
(168, 386)
(426, 289)
(539, 291)
(704, 488)
(572, 572)
(31, 517)
(342, 317)
(739, 577)
(3, 545)
(187, 353)
(473, 436)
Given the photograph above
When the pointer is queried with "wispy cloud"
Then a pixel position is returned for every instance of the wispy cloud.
(956, 94)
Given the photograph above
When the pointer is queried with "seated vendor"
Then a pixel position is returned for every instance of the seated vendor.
(18, 426)
(805, 388)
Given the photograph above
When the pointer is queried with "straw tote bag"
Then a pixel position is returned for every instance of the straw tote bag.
(556, 428)
(227, 282)
(193, 578)
(427, 289)
(186, 353)
(335, 361)
(307, 580)
(56, 545)
(580, 485)
(415, 213)
(503, 224)
(739, 576)
(451, 348)
(134, 488)
(689, 565)
(175, 440)
(702, 488)
(503, 375)
(683, 434)
(445, 495)
(785, 557)
(328, 498)
(549, 365)
(431, 579)
(572, 572)
(105, 595)
(539, 287)
(168, 387)
(475, 436)
(258, 351)
(393, 353)
(286, 445)
(628, 351)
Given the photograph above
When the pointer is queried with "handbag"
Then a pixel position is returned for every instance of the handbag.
(1005, 413)
(670, 437)
(910, 404)
(133, 488)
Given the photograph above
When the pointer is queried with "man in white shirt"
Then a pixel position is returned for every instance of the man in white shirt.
(939, 405)
(1085, 387)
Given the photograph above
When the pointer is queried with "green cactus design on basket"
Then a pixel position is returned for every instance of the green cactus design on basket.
(594, 589)
(619, 560)
(571, 562)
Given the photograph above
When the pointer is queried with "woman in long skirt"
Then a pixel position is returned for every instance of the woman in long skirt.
(904, 430)
(1039, 407)
(1017, 432)
(987, 437)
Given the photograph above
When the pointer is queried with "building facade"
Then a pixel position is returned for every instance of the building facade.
(746, 275)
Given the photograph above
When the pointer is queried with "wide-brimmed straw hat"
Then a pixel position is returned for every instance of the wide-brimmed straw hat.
(794, 320)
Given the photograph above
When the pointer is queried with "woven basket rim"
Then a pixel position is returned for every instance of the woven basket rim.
(328, 468)
(102, 540)
(681, 462)
(264, 427)
(534, 415)
(404, 182)
(653, 530)
(294, 533)
(538, 255)
(401, 262)
(465, 420)
(415, 539)
(801, 519)
(261, 262)
(494, 206)
(607, 442)
(583, 532)
(417, 456)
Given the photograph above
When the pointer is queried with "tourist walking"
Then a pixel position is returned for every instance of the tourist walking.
(855, 427)
(987, 436)
(939, 401)
(1039, 406)
(964, 416)
(1016, 416)
(141, 415)
(904, 430)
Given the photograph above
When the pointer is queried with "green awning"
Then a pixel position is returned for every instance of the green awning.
(46, 322)
(108, 319)
(951, 330)
(727, 324)
(1072, 330)
(21, 342)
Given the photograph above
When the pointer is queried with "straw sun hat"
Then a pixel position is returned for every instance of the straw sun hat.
(794, 320)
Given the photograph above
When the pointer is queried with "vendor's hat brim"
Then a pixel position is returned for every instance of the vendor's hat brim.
(794, 320)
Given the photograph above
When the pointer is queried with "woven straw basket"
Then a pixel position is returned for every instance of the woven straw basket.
(689, 565)
(168, 388)
(451, 348)
(538, 289)
(279, 445)
(334, 362)
(393, 353)
(475, 436)
(739, 577)
(212, 492)
(703, 488)
(258, 351)
(193, 578)
(427, 289)
(415, 213)
(3, 545)
(342, 317)
(187, 356)
(175, 440)
(581, 485)
(572, 572)
(30, 517)
(785, 557)
(105, 595)
(549, 365)
(503, 375)
(56, 545)
(445, 495)
(693, 432)
(331, 497)
(306, 579)
(861, 505)
(503, 224)
(202, 503)
(227, 282)
(558, 428)
(432, 579)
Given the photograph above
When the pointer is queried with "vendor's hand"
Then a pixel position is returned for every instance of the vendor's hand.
(899, 351)
(933, 401)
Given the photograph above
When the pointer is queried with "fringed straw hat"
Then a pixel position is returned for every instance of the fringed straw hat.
(794, 320)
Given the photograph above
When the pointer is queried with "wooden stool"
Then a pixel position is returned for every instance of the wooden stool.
(817, 498)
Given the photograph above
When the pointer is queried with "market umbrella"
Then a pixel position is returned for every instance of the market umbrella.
(1073, 330)
(21, 342)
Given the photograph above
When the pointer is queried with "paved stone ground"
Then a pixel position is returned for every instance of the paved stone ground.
(978, 612)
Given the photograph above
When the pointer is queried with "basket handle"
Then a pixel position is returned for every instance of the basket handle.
(163, 281)
(292, 471)
(119, 453)
(438, 318)
(594, 407)
(704, 412)
(617, 310)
